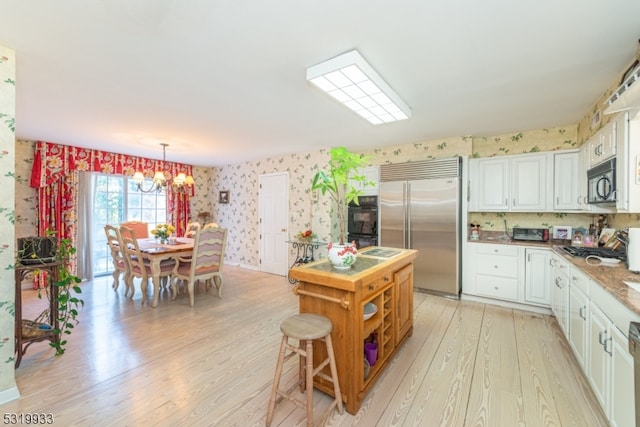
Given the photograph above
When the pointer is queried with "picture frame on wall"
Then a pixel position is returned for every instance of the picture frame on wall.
(223, 197)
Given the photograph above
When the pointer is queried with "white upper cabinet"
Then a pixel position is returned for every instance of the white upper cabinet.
(585, 164)
(602, 145)
(510, 183)
(566, 188)
(491, 184)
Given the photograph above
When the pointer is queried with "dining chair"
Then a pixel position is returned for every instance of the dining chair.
(138, 265)
(211, 225)
(120, 264)
(191, 229)
(205, 262)
(140, 229)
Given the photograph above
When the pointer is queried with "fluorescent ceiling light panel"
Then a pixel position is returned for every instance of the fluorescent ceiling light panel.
(349, 79)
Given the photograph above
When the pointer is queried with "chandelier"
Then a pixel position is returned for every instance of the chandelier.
(181, 183)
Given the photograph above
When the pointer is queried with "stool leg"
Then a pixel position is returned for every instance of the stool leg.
(334, 373)
(276, 380)
(309, 382)
(302, 366)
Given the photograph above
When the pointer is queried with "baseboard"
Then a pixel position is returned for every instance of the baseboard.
(9, 394)
(507, 304)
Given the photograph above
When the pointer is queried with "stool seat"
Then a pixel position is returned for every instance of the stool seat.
(306, 326)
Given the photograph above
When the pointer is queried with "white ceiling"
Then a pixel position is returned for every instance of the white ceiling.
(224, 81)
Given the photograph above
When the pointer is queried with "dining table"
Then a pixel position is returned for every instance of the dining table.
(155, 252)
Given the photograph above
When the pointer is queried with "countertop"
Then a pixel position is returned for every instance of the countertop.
(611, 278)
(371, 260)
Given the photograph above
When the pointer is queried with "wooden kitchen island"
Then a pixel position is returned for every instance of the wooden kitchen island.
(382, 276)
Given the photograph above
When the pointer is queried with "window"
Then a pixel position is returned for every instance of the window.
(117, 199)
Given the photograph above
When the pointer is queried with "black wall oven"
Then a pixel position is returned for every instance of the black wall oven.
(362, 221)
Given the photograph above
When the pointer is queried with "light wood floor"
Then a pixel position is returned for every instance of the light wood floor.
(467, 364)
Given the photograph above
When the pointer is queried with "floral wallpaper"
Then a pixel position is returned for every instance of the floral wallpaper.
(8, 390)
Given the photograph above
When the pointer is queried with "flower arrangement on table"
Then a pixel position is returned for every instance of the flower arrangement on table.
(163, 231)
(306, 236)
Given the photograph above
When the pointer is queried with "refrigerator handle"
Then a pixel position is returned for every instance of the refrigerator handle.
(407, 215)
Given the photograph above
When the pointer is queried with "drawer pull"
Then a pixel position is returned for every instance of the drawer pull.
(371, 287)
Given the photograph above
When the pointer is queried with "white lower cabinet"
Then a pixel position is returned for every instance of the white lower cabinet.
(610, 369)
(537, 276)
(598, 367)
(511, 273)
(560, 292)
(497, 269)
(578, 323)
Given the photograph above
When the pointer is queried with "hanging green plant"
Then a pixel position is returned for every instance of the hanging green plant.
(67, 301)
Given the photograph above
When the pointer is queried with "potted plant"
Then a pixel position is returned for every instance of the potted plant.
(66, 284)
(338, 179)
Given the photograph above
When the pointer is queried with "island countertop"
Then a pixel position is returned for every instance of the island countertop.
(371, 261)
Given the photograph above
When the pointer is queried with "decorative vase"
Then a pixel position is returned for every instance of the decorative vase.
(164, 240)
(342, 256)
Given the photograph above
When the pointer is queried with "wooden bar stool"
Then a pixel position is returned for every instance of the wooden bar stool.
(305, 328)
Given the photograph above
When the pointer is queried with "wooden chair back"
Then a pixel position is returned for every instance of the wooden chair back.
(132, 253)
(140, 229)
(113, 240)
(206, 261)
(120, 264)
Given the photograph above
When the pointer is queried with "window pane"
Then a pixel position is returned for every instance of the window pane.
(117, 199)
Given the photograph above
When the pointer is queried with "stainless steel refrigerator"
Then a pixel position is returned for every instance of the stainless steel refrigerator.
(420, 208)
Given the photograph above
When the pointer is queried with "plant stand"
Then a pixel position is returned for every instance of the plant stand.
(29, 331)
(304, 254)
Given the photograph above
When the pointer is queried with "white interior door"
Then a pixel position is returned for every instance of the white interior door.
(274, 222)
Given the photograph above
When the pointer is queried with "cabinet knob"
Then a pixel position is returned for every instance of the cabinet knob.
(371, 287)
(495, 266)
(386, 279)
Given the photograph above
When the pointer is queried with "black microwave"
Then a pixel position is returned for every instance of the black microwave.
(601, 181)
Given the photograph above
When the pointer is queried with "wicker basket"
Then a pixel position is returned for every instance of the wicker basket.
(31, 329)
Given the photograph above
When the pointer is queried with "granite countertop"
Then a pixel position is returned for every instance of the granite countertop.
(611, 278)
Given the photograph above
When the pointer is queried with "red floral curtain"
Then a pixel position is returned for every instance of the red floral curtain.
(55, 175)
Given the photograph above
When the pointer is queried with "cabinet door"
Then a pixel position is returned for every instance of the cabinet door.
(566, 188)
(622, 403)
(608, 140)
(493, 184)
(529, 178)
(560, 293)
(603, 144)
(578, 317)
(585, 164)
(537, 276)
(404, 305)
(598, 360)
